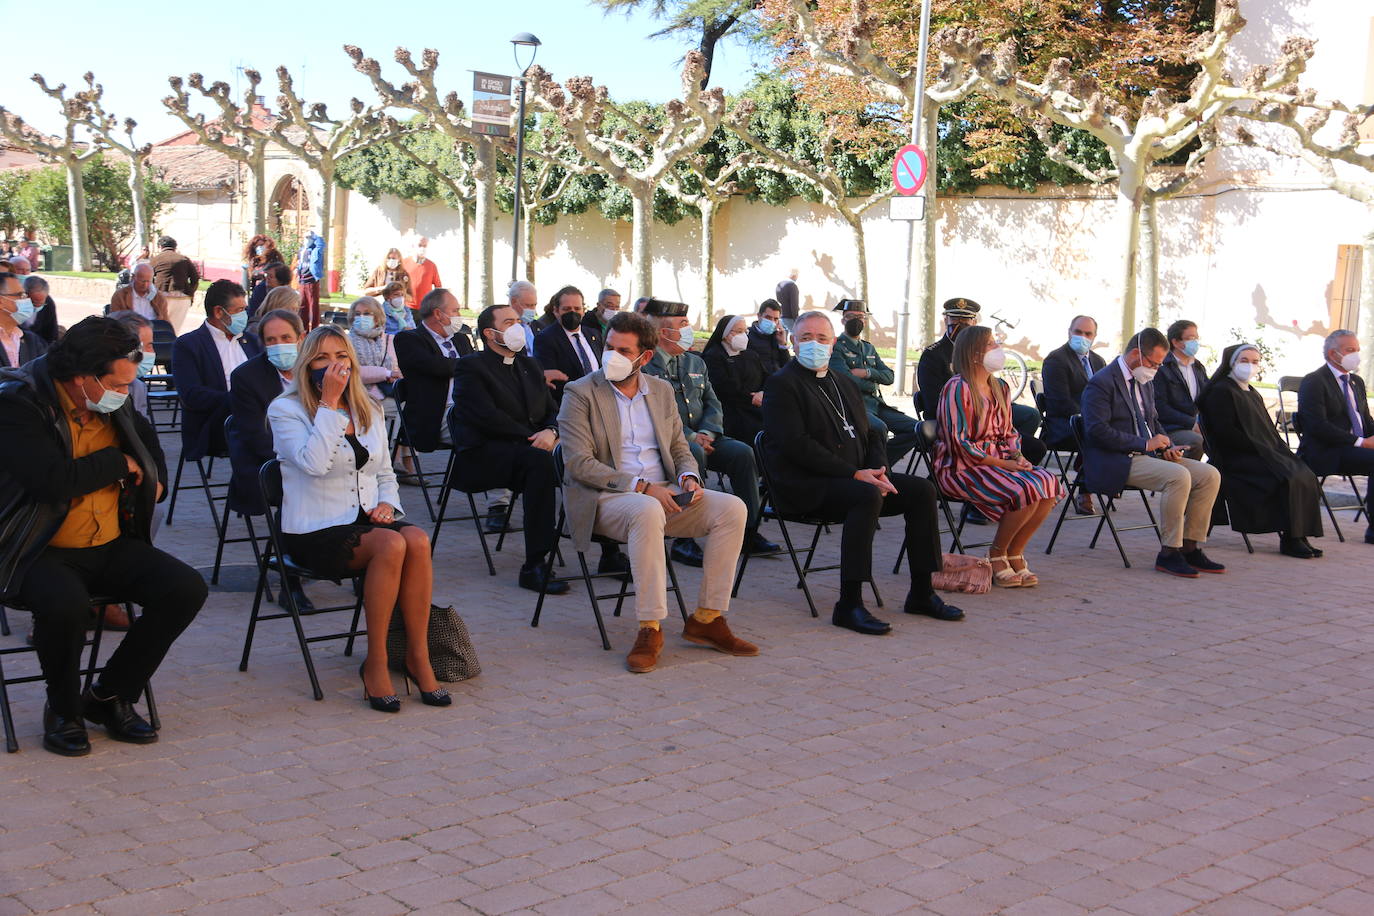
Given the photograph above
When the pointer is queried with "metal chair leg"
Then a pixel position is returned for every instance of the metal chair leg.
(801, 573)
(176, 488)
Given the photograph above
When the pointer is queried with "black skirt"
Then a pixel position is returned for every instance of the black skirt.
(329, 552)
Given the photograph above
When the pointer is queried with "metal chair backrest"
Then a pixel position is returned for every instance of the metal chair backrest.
(1039, 399)
(927, 431)
(1288, 384)
(1079, 431)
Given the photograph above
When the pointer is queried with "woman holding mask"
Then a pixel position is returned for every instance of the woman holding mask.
(388, 272)
(737, 376)
(341, 512)
(978, 456)
(1267, 487)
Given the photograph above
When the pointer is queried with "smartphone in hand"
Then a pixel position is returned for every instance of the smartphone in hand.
(683, 499)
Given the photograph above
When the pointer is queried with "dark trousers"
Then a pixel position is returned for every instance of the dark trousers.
(859, 505)
(523, 468)
(735, 460)
(58, 589)
(1026, 420)
(902, 427)
(1359, 461)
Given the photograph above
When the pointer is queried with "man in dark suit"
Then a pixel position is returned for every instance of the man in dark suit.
(566, 344)
(1180, 381)
(203, 361)
(427, 356)
(1333, 417)
(766, 336)
(1064, 373)
(1123, 446)
(18, 345)
(504, 428)
(252, 387)
(826, 460)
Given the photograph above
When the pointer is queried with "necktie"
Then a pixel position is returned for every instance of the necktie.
(1356, 424)
(1136, 401)
(582, 354)
(1087, 367)
(450, 349)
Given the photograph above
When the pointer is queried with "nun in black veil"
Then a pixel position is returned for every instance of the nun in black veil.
(1266, 487)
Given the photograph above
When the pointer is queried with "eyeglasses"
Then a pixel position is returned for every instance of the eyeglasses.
(136, 356)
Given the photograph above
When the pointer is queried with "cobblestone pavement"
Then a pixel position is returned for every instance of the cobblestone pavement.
(1114, 740)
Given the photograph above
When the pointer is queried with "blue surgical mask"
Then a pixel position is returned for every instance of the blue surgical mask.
(24, 310)
(283, 356)
(685, 337)
(317, 377)
(109, 402)
(1190, 348)
(1079, 344)
(238, 323)
(146, 365)
(528, 315)
(813, 354)
(766, 326)
(363, 323)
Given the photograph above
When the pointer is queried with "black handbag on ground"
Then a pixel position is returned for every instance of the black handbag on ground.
(450, 647)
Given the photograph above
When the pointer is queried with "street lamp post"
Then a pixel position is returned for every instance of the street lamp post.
(521, 40)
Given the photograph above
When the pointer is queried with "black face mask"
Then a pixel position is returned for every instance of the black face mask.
(317, 377)
(854, 327)
(571, 321)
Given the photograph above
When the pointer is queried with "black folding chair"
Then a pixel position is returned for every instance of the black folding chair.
(1107, 502)
(251, 538)
(403, 442)
(205, 468)
(587, 576)
(478, 519)
(927, 433)
(90, 670)
(1358, 506)
(276, 558)
(1285, 420)
(1063, 460)
(770, 509)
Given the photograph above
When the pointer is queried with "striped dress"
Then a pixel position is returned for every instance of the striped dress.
(963, 440)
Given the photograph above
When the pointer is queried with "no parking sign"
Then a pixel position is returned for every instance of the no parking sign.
(909, 169)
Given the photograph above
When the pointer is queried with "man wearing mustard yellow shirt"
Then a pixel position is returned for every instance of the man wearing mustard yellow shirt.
(80, 496)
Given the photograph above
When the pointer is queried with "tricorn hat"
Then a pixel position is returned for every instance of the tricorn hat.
(660, 308)
(850, 305)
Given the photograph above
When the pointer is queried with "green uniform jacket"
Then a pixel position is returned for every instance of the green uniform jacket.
(856, 353)
(696, 399)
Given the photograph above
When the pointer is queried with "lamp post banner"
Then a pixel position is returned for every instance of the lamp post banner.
(491, 105)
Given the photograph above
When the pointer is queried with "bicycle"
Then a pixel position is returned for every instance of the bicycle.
(1016, 373)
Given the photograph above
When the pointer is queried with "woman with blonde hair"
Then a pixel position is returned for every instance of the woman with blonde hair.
(390, 271)
(341, 513)
(376, 355)
(978, 456)
(282, 298)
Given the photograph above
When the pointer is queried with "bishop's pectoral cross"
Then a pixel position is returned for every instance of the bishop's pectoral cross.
(848, 427)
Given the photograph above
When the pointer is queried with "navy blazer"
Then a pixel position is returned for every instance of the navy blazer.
(554, 350)
(202, 390)
(1109, 428)
(252, 387)
(31, 346)
(1177, 409)
(1064, 380)
(1324, 420)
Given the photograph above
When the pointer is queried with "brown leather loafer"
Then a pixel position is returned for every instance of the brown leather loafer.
(717, 635)
(644, 656)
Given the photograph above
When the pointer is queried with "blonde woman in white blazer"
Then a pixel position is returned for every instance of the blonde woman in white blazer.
(341, 512)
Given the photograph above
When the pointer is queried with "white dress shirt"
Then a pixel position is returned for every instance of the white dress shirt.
(12, 339)
(143, 305)
(1189, 379)
(639, 453)
(448, 348)
(231, 354)
(1133, 388)
(581, 347)
(1348, 394)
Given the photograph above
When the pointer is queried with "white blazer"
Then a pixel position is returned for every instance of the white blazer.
(320, 487)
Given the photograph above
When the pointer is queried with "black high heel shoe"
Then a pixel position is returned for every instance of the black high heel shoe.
(381, 704)
(438, 697)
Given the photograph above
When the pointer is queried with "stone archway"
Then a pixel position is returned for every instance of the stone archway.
(289, 212)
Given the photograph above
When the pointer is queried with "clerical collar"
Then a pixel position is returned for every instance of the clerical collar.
(507, 360)
(822, 373)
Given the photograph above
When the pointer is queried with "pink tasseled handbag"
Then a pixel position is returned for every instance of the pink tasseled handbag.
(961, 573)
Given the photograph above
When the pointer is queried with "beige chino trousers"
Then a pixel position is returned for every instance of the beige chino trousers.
(1188, 489)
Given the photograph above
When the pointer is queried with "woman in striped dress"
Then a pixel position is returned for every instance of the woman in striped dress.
(978, 457)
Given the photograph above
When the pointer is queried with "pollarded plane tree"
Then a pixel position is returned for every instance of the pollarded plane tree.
(237, 132)
(1137, 142)
(119, 135)
(454, 175)
(698, 184)
(634, 151)
(446, 114)
(65, 150)
(308, 132)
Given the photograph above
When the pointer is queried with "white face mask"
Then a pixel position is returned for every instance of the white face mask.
(1143, 374)
(392, 263)
(455, 324)
(607, 314)
(1242, 372)
(1350, 362)
(617, 366)
(513, 338)
(994, 359)
(738, 342)
(398, 303)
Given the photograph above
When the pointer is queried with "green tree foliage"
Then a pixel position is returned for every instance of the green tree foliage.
(42, 200)
(706, 23)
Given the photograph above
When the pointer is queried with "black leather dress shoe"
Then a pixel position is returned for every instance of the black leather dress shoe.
(121, 721)
(64, 736)
(496, 519)
(856, 617)
(614, 563)
(1369, 535)
(972, 516)
(1295, 547)
(1316, 551)
(532, 578)
(932, 606)
(688, 552)
(759, 544)
(303, 602)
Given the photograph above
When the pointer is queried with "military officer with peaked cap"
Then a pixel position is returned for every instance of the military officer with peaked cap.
(859, 359)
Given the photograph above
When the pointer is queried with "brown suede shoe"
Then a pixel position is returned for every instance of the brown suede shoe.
(644, 656)
(717, 635)
(116, 618)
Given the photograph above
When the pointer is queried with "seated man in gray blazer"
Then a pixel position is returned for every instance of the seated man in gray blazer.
(630, 476)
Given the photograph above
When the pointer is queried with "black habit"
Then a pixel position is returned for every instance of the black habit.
(1266, 487)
